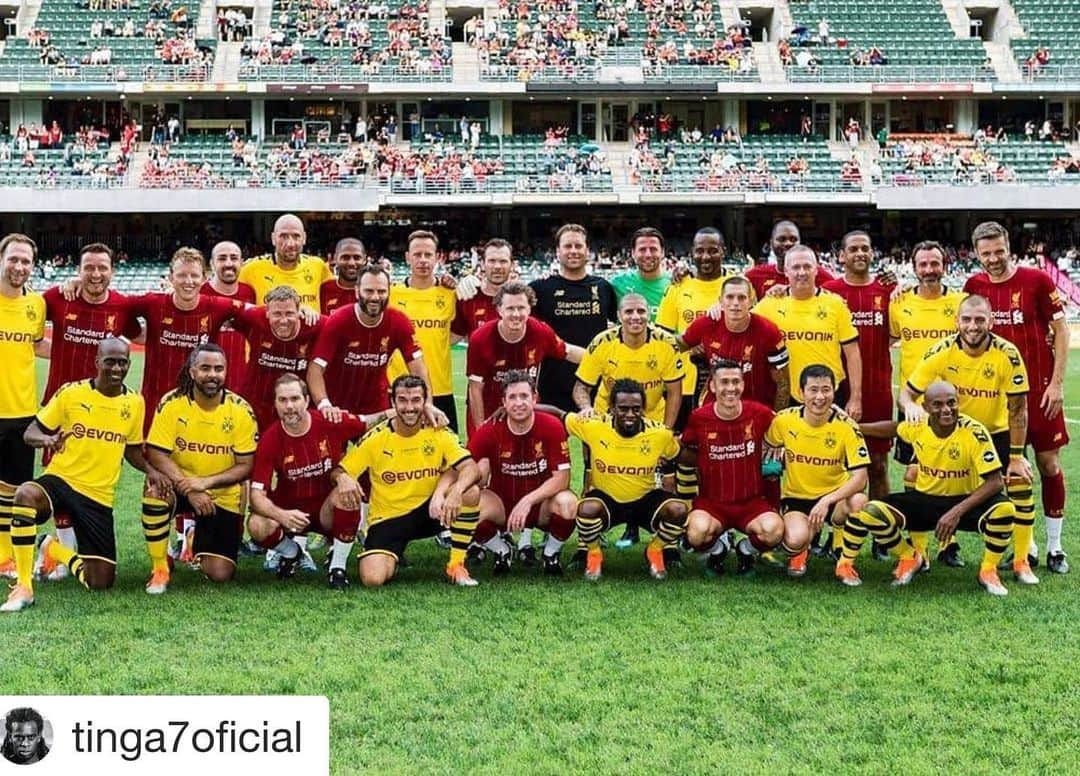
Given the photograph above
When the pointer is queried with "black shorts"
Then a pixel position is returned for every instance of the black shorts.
(903, 453)
(922, 512)
(1000, 441)
(448, 404)
(687, 406)
(556, 384)
(641, 513)
(218, 534)
(16, 457)
(803, 505)
(391, 535)
(92, 520)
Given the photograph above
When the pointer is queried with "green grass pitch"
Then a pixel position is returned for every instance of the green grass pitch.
(628, 675)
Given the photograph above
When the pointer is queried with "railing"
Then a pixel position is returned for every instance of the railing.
(1051, 72)
(343, 72)
(66, 182)
(576, 72)
(891, 73)
(117, 73)
(673, 73)
(968, 180)
(736, 183)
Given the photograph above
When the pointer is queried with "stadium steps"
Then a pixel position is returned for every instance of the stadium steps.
(729, 13)
(27, 16)
(227, 63)
(958, 17)
(206, 24)
(437, 20)
(1005, 66)
(768, 63)
(261, 18)
(466, 64)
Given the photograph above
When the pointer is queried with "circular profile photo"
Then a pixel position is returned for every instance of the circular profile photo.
(27, 736)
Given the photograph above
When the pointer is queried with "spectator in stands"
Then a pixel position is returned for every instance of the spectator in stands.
(853, 132)
(823, 32)
(298, 138)
(1046, 132)
(850, 173)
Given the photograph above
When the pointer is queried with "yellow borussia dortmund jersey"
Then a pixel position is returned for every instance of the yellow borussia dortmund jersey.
(983, 383)
(921, 323)
(262, 274)
(954, 465)
(814, 329)
(431, 311)
(205, 443)
(98, 428)
(22, 323)
(817, 459)
(683, 304)
(623, 467)
(654, 364)
(403, 470)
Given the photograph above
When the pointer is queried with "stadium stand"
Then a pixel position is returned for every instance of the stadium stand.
(1051, 48)
(117, 40)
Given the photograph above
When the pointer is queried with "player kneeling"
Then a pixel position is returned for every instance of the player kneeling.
(524, 458)
(291, 485)
(722, 441)
(825, 464)
(959, 487)
(626, 452)
(421, 481)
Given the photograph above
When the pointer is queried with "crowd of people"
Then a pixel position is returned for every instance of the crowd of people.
(749, 414)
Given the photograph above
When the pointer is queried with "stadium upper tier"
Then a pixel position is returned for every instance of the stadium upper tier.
(102, 41)
(1051, 24)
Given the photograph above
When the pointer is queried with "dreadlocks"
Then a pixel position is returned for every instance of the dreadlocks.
(185, 383)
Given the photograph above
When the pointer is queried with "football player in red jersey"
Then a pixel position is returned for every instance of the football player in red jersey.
(340, 291)
(1027, 311)
(474, 312)
(524, 459)
(867, 298)
(225, 261)
(723, 440)
(290, 481)
(785, 234)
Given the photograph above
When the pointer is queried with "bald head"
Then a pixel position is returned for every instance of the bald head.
(113, 362)
(111, 346)
(225, 261)
(939, 390)
(974, 301)
(288, 238)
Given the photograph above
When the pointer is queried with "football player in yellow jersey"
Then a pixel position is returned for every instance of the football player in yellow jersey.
(203, 439)
(991, 384)
(421, 480)
(431, 306)
(817, 328)
(626, 450)
(636, 350)
(958, 487)
(22, 336)
(689, 299)
(288, 266)
(919, 318)
(89, 426)
(825, 464)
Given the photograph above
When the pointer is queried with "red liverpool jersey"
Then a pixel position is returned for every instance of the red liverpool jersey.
(473, 313)
(765, 276)
(869, 307)
(295, 470)
(1023, 307)
(333, 297)
(232, 341)
(270, 358)
(521, 463)
(355, 357)
(77, 329)
(728, 451)
(759, 348)
(490, 356)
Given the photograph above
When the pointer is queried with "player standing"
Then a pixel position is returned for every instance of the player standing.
(785, 235)
(577, 305)
(639, 351)
(524, 462)
(474, 312)
(203, 440)
(90, 426)
(421, 481)
(225, 262)
(340, 290)
(1028, 312)
(288, 265)
(723, 441)
(648, 277)
(22, 336)
(867, 300)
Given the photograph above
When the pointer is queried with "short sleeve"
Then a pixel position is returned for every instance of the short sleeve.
(855, 450)
(589, 371)
(985, 455)
(262, 473)
(695, 332)
(575, 425)
(476, 360)
(553, 344)
(358, 459)
(774, 434)
(326, 344)
(667, 314)
(163, 428)
(481, 442)
(1048, 299)
(135, 430)
(39, 322)
(691, 435)
(404, 338)
(453, 452)
(1017, 373)
(894, 319)
(246, 432)
(907, 432)
(926, 371)
(674, 370)
(671, 446)
(51, 416)
(845, 330)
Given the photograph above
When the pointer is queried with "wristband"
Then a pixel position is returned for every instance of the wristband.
(324, 404)
(1016, 452)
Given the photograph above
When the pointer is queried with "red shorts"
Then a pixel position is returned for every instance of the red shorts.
(736, 514)
(534, 514)
(1043, 434)
(312, 507)
(877, 406)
